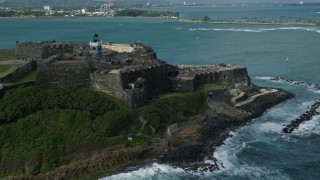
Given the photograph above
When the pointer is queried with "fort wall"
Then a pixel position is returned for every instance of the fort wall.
(133, 76)
(43, 50)
(116, 83)
(135, 98)
(121, 82)
(10, 51)
(188, 78)
(237, 75)
(109, 82)
(156, 79)
(20, 71)
(29, 52)
(63, 73)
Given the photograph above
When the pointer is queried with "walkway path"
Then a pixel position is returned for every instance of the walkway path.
(250, 99)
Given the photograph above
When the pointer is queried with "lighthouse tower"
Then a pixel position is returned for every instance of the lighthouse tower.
(95, 46)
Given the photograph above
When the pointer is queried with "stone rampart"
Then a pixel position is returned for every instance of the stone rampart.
(156, 79)
(109, 82)
(10, 51)
(45, 49)
(236, 75)
(20, 71)
(135, 98)
(63, 73)
(29, 52)
(116, 83)
(188, 78)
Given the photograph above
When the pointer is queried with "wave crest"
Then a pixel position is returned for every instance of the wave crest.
(255, 30)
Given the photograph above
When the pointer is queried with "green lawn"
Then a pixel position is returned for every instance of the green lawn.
(205, 88)
(29, 76)
(4, 57)
(8, 68)
(170, 95)
(213, 86)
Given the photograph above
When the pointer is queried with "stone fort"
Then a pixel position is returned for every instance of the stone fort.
(131, 73)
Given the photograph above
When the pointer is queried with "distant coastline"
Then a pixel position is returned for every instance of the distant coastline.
(249, 22)
(182, 20)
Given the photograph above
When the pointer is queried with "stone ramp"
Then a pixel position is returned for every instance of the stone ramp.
(252, 98)
(5, 62)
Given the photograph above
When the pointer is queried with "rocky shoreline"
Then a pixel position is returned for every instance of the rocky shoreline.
(214, 129)
(195, 141)
(304, 117)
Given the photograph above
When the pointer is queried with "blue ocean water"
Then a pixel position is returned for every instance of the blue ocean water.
(255, 151)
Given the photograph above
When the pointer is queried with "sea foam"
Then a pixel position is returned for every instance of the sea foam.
(148, 172)
(256, 30)
(308, 128)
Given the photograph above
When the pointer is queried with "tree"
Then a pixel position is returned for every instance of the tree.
(206, 19)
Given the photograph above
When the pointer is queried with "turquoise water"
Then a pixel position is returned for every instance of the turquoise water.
(256, 151)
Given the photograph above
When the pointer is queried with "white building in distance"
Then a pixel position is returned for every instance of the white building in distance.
(47, 8)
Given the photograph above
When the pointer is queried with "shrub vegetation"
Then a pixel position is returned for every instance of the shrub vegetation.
(40, 129)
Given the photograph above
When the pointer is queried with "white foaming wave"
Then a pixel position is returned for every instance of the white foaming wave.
(311, 87)
(226, 153)
(232, 166)
(315, 12)
(308, 128)
(147, 172)
(292, 28)
(263, 77)
(270, 127)
(236, 30)
(314, 90)
(254, 172)
(223, 153)
(255, 30)
(228, 29)
(178, 28)
(225, 156)
(305, 105)
(198, 29)
(284, 113)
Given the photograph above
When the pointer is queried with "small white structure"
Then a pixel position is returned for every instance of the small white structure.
(95, 46)
(47, 8)
(173, 129)
(84, 11)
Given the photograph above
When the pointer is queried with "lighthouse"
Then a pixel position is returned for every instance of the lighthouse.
(95, 46)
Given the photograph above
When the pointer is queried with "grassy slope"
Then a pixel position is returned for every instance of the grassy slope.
(39, 128)
(4, 57)
(29, 76)
(8, 68)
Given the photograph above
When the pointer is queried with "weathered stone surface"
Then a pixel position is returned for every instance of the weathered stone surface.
(45, 49)
(20, 71)
(63, 73)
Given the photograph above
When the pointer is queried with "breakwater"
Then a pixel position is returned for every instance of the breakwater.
(304, 117)
(296, 82)
(307, 115)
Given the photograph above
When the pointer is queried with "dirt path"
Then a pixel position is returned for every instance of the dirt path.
(12, 62)
(250, 99)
